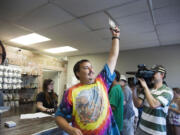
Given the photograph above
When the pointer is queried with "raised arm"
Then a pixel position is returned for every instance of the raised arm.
(114, 52)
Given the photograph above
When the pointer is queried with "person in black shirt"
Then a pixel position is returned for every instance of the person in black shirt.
(48, 99)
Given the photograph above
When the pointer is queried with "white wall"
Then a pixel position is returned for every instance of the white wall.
(168, 56)
(62, 82)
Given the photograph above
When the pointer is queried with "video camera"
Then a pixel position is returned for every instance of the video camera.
(142, 72)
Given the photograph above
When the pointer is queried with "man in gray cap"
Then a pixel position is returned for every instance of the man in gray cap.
(155, 104)
(128, 115)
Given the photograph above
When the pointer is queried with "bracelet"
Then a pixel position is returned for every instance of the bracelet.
(115, 38)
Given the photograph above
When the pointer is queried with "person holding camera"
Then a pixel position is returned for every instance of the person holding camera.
(155, 103)
(86, 104)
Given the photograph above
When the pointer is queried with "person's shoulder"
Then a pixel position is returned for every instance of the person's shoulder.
(166, 88)
(127, 89)
(72, 88)
(118, 87)
(106, 70)
(41, 94)
(113, 89)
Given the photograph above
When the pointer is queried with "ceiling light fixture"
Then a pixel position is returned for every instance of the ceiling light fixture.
(61, 49)
(30, 39)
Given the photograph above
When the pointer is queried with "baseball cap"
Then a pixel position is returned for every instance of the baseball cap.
(158, 68)
(123, 77)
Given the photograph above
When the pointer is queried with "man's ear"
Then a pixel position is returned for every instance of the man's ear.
(162, 74)
(77, 74)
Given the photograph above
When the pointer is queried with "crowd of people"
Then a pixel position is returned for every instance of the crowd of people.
(104, 105)
(110, 104)
(159, 115)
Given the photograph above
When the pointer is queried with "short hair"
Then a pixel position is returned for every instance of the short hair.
(77, 66)
(117, 75)
(3, 53)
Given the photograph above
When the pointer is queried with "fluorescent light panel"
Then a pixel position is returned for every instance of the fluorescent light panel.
(61, 49)
(30, 39)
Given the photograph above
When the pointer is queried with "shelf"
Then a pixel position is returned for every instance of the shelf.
(30, 75)
(26, 102)
(29, 88)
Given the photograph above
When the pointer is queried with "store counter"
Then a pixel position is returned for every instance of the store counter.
(37, 126)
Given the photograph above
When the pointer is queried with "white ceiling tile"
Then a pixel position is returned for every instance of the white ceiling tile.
(166, 38)
(140, 27)
(66, 32)
(167, 14)
(150, 36)
(170, 37)
(138, 45)
(169, 33)
(9, 31)
(44, 17)
(164, 3)
(83, 7)
(129, 9)
(102, 34)
(97, 20)
(94, 45)
(133, 19)
(170, 42)
(49, 44)
(14, 9)
(170, 28)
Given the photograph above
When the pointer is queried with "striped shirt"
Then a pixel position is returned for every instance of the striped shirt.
(153, 121)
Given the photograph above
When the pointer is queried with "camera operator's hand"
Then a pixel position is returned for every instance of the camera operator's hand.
(115, 32)
(143, 83)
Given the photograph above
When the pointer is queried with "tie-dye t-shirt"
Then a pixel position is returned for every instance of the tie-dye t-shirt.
(89, 107)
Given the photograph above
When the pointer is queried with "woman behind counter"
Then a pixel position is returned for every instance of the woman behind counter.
(47, 100)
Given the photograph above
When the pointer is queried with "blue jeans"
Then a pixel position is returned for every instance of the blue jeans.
(128, 126)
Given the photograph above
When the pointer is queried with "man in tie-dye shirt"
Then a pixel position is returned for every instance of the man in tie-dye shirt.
(86, 103)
